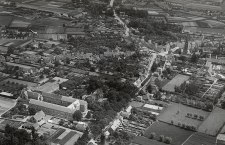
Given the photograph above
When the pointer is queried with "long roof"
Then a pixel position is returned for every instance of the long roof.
(51, 106)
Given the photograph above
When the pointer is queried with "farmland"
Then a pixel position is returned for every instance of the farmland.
(177, 134)
(178, 114)
(214, 122)
(176, 81)
(6, 104)
(200, 139)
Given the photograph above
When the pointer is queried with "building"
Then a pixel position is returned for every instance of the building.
(53, 109)
(3, 49)
(156, 17)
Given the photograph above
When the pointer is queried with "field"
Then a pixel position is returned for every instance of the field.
(5, 19)
(205, 30)
(214, 122)
(145, 141)
(6, 104)
(176, 81)
(215, 24)
(177, 113)
(177, 134)
(200, 139)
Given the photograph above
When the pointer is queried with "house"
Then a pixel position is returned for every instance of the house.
(221, 139)
(92, 142)
(156, 17)
(3, 49)
(39, 116)
(81, 126)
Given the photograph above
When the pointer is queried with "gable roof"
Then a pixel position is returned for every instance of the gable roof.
(39, 115)
(51, 106)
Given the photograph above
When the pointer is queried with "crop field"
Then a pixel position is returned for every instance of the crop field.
(176, 81)
(215, 24)
(189, 24)
(177, 134)
(213, 123)
(5, 19)
(6, 104)
(178, 114)
(205, 30)
(200, 139)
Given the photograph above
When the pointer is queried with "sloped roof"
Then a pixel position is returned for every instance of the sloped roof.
(51, 106)
(39, 115)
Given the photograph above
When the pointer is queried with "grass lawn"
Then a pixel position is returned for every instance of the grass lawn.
(200, 139)
(177, 134)
(213, 123)
(145, 141)
(177, 113)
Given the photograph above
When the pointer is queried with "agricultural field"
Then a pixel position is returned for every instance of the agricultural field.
(6, 104)
(189, 24)
(145, 141)
(200, 139)
(178, 114)
(5, 19)
(176, 81)
(213, 123)
(177, 134)
(215, 24)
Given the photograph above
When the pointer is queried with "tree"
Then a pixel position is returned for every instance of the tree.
(223, 105)
(61, 122)
(102, 139)
(152, 135)
(77, 115)
(88, 116)
(194, 58)
(154, 67)
(161, 138)
(149, 89)
(168, 140)
(32, 111)
(11, 50)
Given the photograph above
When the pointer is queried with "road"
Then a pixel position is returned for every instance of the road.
(151, 61)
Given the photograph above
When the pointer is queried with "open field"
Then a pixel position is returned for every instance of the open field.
(6, 104)
(205, 30)
(215, 24)
(5, 19)
(213, 123)
(177, 134)
(176, 81)
(145, 141)
(178, 112)
(200, 139)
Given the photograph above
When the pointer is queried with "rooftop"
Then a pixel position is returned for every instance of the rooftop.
(51, 106)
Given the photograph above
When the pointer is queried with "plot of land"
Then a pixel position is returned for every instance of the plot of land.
(178, 112)
(6, 104)
(145, 141)
(177, 134)
(214, 122)
(200, 139)
(176, 81)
